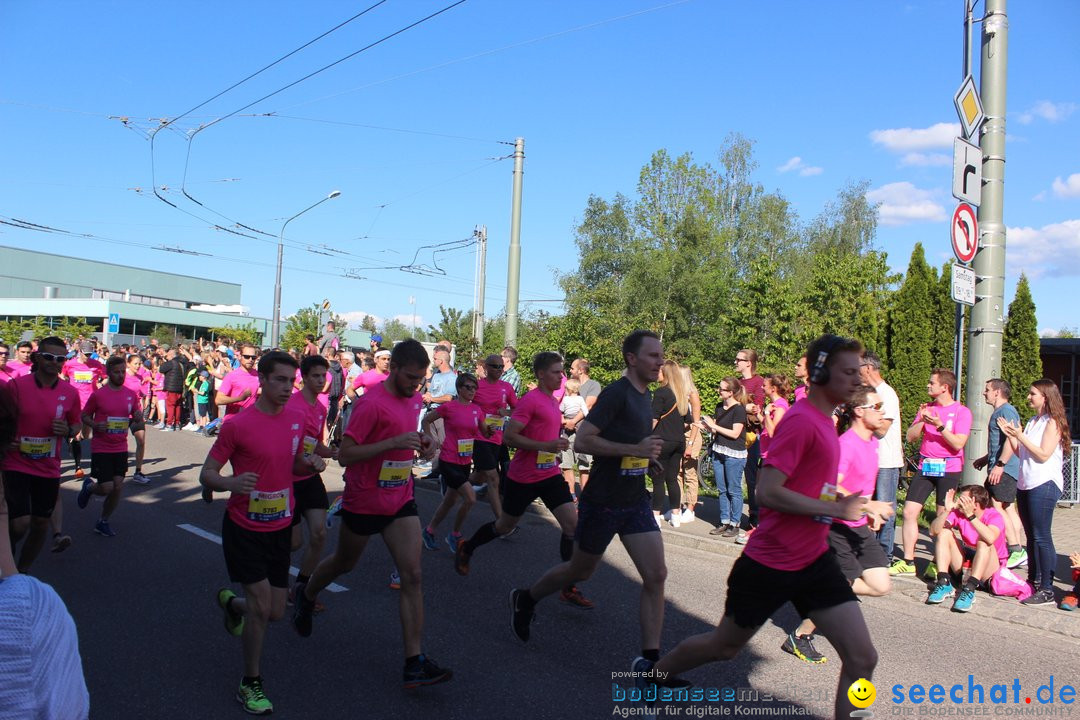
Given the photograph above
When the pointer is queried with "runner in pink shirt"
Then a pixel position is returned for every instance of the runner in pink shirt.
(776, 390)
(859, 554)
(801, 388)
(370, 378)
(7, 372)
(786, 558)
(86, 375)
(496, 398)
(265, 447)
(463, 427)
(309, 491)
(20, 365)
(981, 531)
(240, 388)
(111, 412)
(47, 412)
(377, 452)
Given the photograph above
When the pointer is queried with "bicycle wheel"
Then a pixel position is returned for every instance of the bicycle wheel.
(706, 479)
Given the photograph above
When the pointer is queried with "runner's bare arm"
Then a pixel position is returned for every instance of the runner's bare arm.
(211, 477)
(513, 437)
(772, 493)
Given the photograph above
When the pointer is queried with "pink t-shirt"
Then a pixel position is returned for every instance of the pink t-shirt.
(381, 485)
(145, 376)
(539, 413)
(857, 474)
(970, 535)
(37, 406)
(561, 392)
(957, 419)
(461, 422)
(766, 439)
(233, 385)
(9, 373)
(115, 407)
(755, 389)
(17, 369)
(807, 451)
(493, 398)
(84, 377)
(369, 379)
(266, 445)
(134, 383)
(800, 393)
(157, 384)
(314, 420)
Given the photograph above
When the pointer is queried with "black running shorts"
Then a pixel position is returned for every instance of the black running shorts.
(30, 494)
(756, 591)
(252, 556)
(362, 524)
(485, 455)
(552, 491)
(454, 475)
(597, 524)
(105, 467)
(856, 549)
(310, 494)
(922, 485)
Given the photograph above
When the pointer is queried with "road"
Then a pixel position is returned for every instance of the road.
(153, 644)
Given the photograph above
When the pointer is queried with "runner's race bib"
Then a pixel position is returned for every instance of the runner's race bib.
(268, 506)
(633, 466)
(37, 448)
(828, 494)
(933, 467)
(116, 425)
(545, 460)
(465, 448)
(310, 444)
(495, 422)
(83, 376)
(394, 473)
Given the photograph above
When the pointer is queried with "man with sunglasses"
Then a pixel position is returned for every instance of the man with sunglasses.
(47, 412)
(8, 372)
(863, 562)
(240, 388)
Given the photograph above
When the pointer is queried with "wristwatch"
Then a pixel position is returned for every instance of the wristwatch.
(999, 464)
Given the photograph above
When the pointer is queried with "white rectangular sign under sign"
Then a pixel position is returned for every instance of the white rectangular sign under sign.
(963, 284)
(967, 172)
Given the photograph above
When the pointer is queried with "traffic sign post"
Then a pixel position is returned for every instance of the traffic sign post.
(965, 233)
(967, 172)
(114, 323)
(968, 106)
(963, 284)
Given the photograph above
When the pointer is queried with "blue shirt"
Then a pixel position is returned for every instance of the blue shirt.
(443, 383)
(995, 439)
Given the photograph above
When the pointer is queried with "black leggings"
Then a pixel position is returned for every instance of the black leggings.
(670, 458)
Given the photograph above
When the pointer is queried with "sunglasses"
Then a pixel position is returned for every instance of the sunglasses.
(3, 354)
(49, 357)
(249, 357)
(741, 360)
(876, 406)
(468, 387)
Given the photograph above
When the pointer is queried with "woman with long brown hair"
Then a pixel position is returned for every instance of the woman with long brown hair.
(671, 415)
(1041, 447)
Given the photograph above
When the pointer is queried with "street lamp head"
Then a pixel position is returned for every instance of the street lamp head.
(333, 195)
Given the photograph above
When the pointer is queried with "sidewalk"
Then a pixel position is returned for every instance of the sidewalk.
(1066, 530)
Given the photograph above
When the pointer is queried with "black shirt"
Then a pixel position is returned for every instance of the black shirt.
(670, 425)
(623, 415)
(728, 418)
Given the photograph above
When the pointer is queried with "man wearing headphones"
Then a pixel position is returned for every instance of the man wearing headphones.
(787, 558)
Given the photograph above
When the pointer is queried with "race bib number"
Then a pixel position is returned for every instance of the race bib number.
(545, 460)
(933, 467)
(828, 494)
(495, 422)
(633, 466)
(268, 506)
(394, 473)
(83, 376)
(465, 448)
(310, 444)
(36, 448)
(116, 425)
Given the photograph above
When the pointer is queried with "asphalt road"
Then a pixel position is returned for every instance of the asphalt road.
(153, 644)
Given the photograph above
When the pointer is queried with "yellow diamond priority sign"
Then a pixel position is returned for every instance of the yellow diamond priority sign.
(968, 106)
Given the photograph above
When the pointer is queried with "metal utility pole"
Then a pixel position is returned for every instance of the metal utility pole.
(480, 233)
(513, 270)
(987, 316)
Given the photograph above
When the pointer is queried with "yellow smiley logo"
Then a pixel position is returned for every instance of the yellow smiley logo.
(862, 693)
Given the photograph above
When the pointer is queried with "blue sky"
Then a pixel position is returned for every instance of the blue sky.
(411, 130)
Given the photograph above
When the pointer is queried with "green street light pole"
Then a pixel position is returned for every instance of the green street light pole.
(987, 316)
(513, 269)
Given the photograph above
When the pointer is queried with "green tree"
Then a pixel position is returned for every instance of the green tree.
(166, 335)
(304, 322)
(71, 328)
(943, 349)
(1021, 363)
(368, 324)
(240, 333)
(911, 334)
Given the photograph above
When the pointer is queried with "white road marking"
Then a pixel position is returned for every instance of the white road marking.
(207, 535)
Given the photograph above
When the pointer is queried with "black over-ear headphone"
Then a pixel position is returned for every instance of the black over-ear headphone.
(819, 373)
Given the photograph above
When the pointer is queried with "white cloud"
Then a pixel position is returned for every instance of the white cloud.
(934, 137)
(1052, 250)
(902, 203)
(354, 317)
(796, 163)
(917, 159)
(407, 320)
(1070, 187)
(1046, 110)
(1048, 333)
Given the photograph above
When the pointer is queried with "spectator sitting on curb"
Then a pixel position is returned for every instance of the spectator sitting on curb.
(981, 540)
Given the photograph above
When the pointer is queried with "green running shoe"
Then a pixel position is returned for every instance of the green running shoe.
(254, 699)
(234, 622)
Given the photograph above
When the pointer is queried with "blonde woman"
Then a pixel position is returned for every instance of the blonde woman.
(671, 415)
(688, 473)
